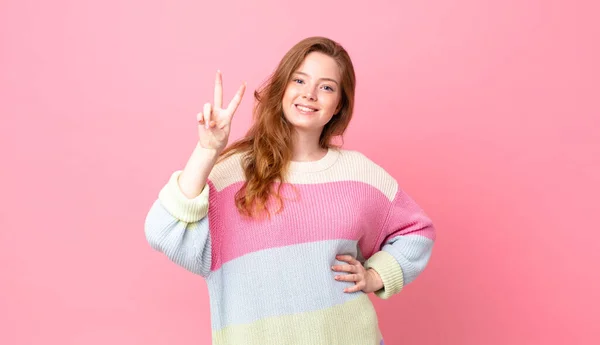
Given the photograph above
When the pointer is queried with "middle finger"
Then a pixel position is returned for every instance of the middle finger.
(344, 268)
(348, 277)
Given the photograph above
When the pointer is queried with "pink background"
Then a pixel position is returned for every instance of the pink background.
(486, 111)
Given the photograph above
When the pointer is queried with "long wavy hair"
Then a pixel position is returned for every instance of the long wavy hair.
(267, 146)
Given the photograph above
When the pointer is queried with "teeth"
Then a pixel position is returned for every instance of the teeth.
(304, 108)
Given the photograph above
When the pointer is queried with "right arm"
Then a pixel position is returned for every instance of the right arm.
(178, 227)
(177, 223)
(195, 174)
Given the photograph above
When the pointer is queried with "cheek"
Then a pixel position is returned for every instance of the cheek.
(289, 94)
(332, 104)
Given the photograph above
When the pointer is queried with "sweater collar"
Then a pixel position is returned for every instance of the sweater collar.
(319, 165)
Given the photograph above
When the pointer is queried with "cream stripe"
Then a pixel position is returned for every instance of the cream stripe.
(178, 205)
(390, 272)
(354, 322)
(351, 166)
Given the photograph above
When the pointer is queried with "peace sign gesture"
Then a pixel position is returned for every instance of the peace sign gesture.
(214, 123)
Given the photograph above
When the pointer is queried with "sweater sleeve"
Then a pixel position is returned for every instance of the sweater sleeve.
(178, 227)
(404, 245)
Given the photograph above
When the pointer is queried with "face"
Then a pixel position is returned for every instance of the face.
(313, 94)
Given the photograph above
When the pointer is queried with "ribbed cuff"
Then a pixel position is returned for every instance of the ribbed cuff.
(390, 272)
(179, 206)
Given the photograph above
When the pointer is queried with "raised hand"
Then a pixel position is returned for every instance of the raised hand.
(214, 122)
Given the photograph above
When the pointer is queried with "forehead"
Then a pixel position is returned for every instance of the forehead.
(318, 65)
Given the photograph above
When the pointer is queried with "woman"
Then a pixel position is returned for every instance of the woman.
(290, 232)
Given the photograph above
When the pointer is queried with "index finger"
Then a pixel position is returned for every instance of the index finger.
(237, 99)
(348, 258)
(218, 100)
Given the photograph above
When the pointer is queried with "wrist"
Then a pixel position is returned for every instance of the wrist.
(377, 282)
(209, 153)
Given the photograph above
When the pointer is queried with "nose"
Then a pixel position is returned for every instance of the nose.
(310, 93)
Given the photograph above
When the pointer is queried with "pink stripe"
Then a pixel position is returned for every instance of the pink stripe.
(407, 218)
(335, 210)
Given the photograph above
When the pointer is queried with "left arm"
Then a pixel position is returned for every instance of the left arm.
(404, 246)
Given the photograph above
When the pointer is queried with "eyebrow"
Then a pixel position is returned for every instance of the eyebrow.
(329, 79)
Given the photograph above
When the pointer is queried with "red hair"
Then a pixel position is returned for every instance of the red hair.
(267, 146)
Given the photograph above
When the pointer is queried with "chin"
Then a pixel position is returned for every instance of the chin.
(306, 127)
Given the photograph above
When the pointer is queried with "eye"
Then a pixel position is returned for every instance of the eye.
(298, 81)
(328, 88)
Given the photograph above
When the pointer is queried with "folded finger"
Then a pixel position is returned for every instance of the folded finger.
(207, 114)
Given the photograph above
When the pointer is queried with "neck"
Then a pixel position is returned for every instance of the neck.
(305, 147)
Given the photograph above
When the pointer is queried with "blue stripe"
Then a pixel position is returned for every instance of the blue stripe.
(412, 253)
(186, 244)
(279, 281)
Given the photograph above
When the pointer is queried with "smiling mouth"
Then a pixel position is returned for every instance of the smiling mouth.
(305, 109)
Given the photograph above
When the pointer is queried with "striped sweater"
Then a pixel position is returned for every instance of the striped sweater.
(270, 281)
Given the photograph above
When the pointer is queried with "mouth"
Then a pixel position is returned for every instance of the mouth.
(305, 108)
